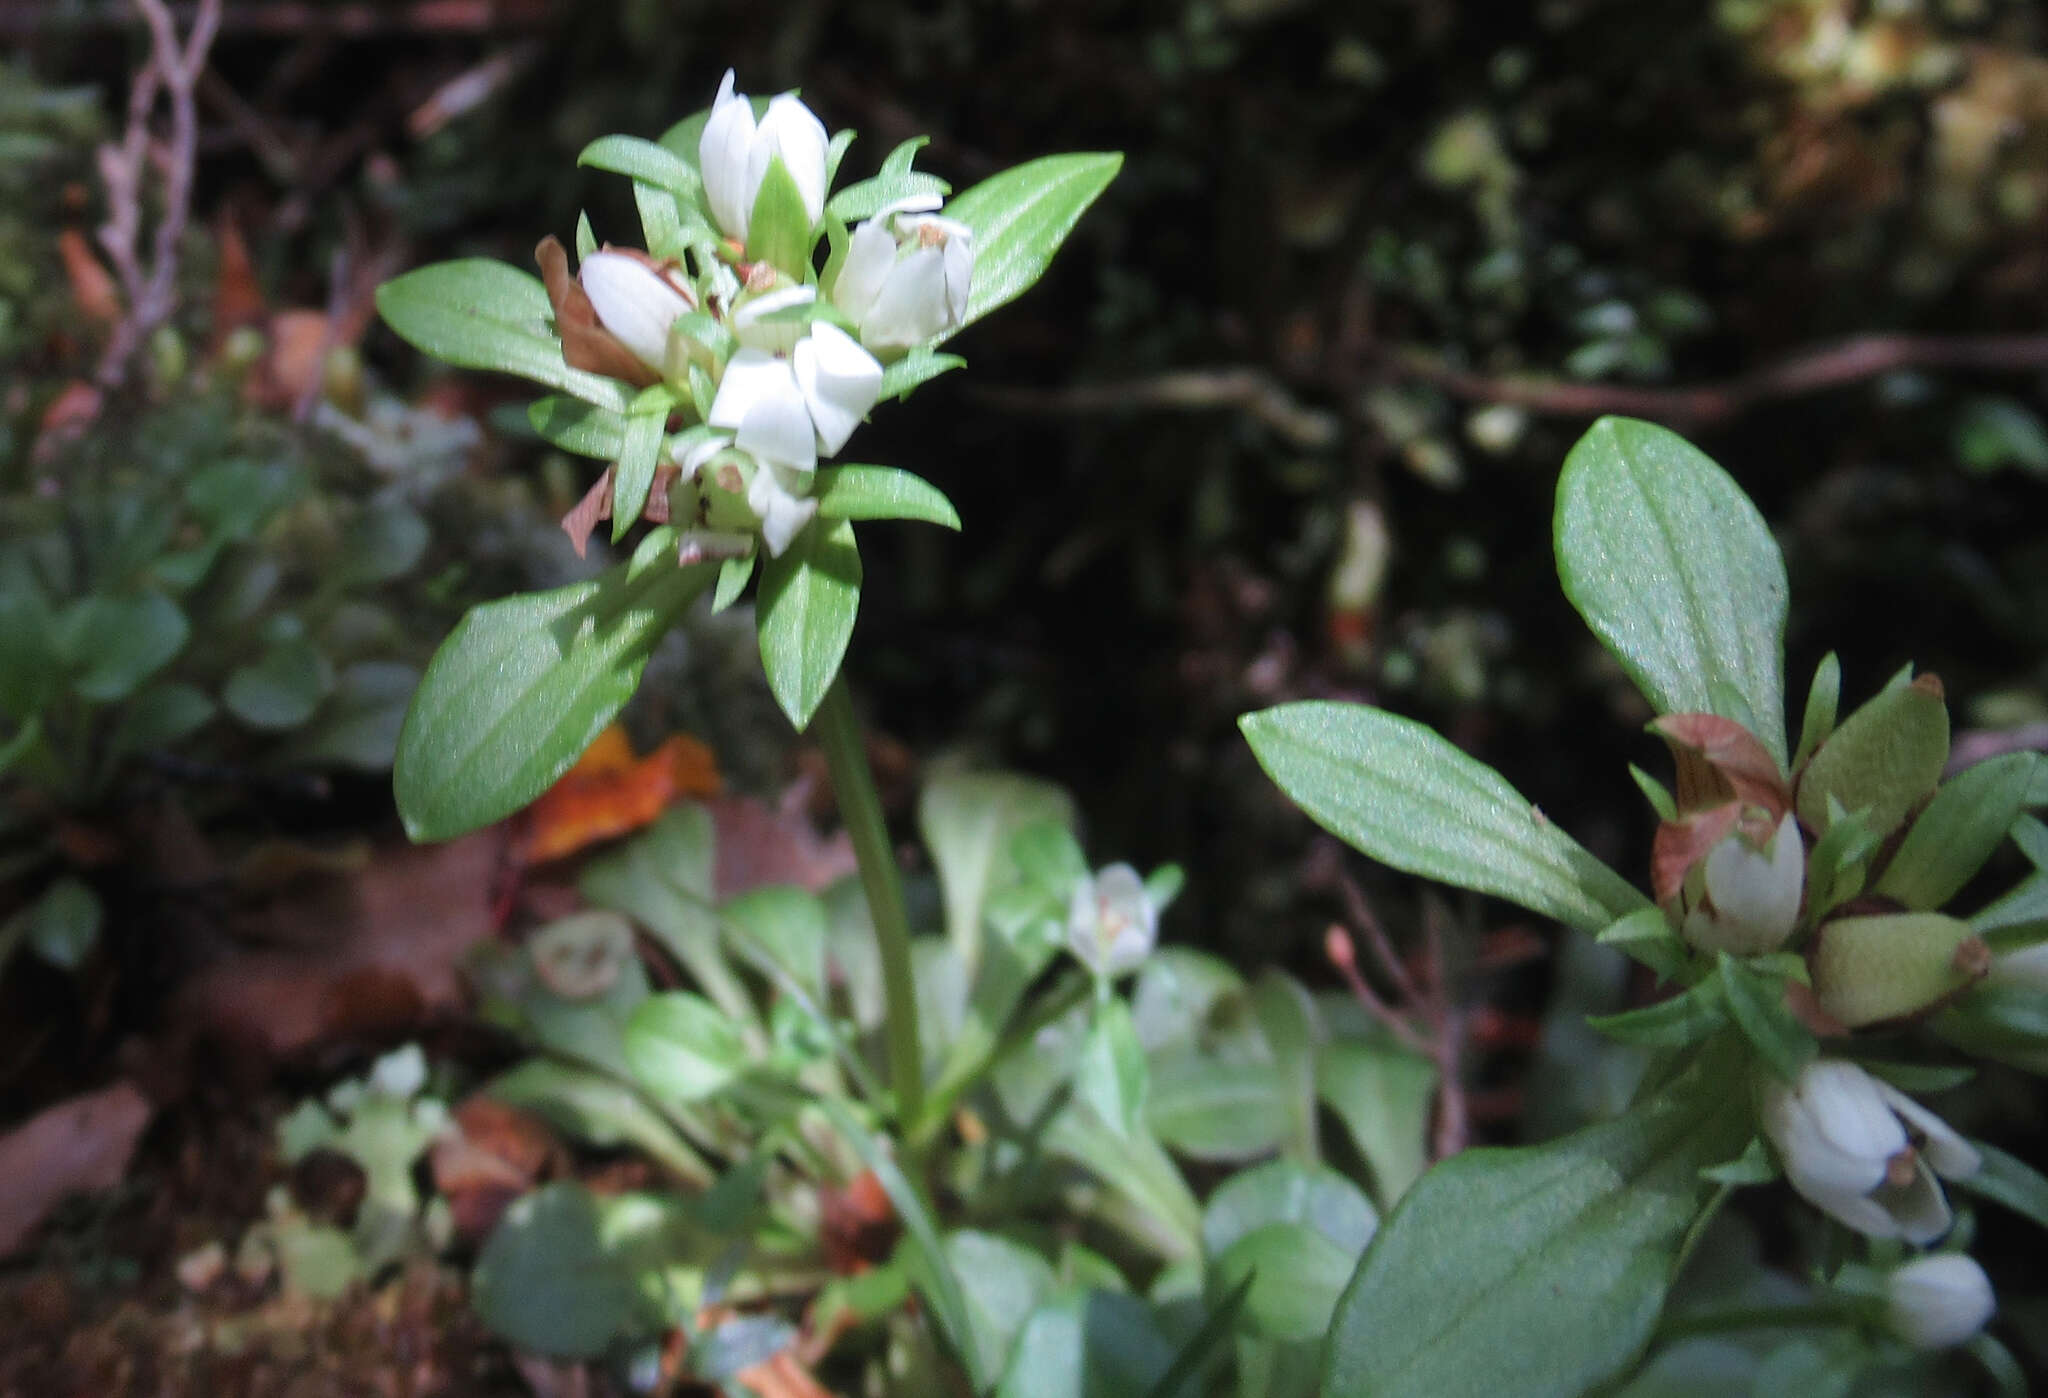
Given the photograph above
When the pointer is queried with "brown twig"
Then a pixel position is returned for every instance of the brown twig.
(171, 72)
(1240, 388)
(1812, 370)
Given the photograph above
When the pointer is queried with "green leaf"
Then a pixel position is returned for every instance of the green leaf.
(779, 230)
(639, 454)
(1537, 1271)
(1021, 216)
(281, 688)
(1089, 1344)
(1203, 1346)
(1287, 1017)
(1958, 830)
(807, 604)
(881, 492)
(1676, 573)
(1110, 1078)
(1393, 789)
(1647, 935)
(555, 1278)
(1003, 1283)
(599, 1110)
(2006, 1179)
(662, 229)
(733, 574)
(915, 369)
(968, 820)
(1296, 1276)
(786, 925)
(524, 684)
(1285, 1191)
(645, 161)
(481, 314)
(936, 1276)
(1756, 1002)
(115, 643)
(1383, 1096)
(579, 427)
(359, 726)
(384, 542)
(1822, 701)
(1216, 1109)
(895, 180)
(64, 924)
(158, 717)
(682, 1048)
(1685, 1018)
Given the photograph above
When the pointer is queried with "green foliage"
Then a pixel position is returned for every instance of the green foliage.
(1020, 218)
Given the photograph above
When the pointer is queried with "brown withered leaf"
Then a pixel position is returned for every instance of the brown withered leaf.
(586, 344)
(592, 510)
(857, 1224)
(1720, 760)
(500, 1154)
(759, 846)
(237, 296)
(1680, 844)
(64, 421)
(80, 1146)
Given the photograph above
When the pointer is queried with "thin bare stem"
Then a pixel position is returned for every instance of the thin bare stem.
(172, 72)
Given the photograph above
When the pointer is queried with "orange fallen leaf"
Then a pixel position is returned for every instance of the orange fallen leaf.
(237, 296)
(92, 286)
(610, 792)
(858, 1224)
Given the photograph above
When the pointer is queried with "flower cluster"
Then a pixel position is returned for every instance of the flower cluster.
(793, 366)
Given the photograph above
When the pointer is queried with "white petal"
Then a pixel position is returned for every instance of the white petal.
(1857, 1211)
(1815, 1163)
(909, 204)
(722, 156)
(1944, 1147)
(912, 305)
(634, 302)
(2026, 968)
(1934, 1302)
(869, 256)
(792, 131)
(1111, 923)
(959, 275)
(750, 375)
(1921, 1208)
(697, 545)
(693, 456)
(775, 336)
(777, 427)
(1850, 1110)
(783, 513)
(840, 382)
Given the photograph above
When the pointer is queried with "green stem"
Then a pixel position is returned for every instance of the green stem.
(861, 811)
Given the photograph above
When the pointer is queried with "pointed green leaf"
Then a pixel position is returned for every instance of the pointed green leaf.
(918, 367)
(807, 604)
(682, 1047)
(481, 314)
(1383, 1096)
(732, 580)
(1950, 839)
(639, 455)
(1393, 789)
(1538, 1271)
(579, 427)
(1822, 702)
(524, 684)
(1676, 573)
(1110, 1078)
(1682, 1019)
(881, 492)
(1756, 1002)
(1021, 217)
(2006, 1179)
(779, 230)
(645, 161)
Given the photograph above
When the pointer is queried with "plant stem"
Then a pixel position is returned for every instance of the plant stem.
(860, 809)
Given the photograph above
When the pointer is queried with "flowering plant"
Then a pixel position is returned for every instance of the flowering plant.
(1807, 979)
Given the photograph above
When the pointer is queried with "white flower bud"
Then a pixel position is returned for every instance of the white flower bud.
(1863, 1152)
(634, 302)
(1111, 923)
(2026, 968)
(1934, 1302)
(734, 153)
(1752, 895)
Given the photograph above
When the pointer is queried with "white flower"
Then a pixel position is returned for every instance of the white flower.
(753, 330)
(906, 275)
(1934, 1302)
(734, 154)
(633, 301)
(840, 382)
(2026, 968)
(776, 495)
(399, 1073)
(1863, 1152)
(759, 399)
(1752, 895)
(1111, 923)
